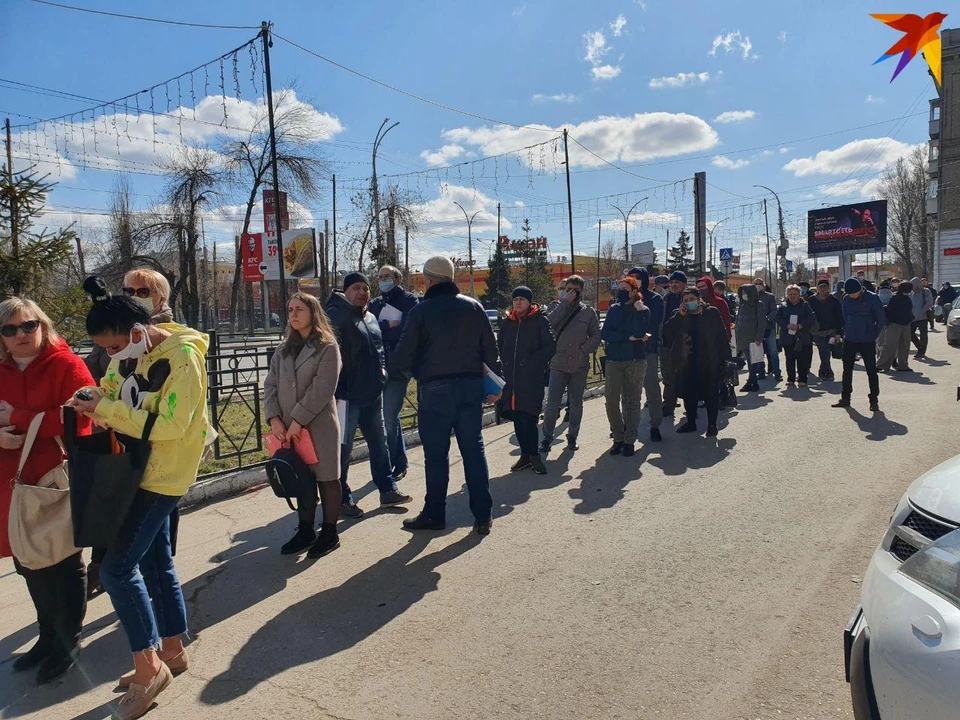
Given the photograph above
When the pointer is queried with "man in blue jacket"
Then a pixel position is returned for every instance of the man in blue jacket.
(863, 321)
(394, 304)
(651, 379)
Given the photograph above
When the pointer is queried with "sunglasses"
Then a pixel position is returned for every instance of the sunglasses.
(29, 328)
(139, 292)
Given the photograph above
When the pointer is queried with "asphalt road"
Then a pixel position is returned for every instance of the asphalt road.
(699, 579)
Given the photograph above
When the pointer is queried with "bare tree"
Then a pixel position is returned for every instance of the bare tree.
(404, 208)
(301, 163)
(904, 186)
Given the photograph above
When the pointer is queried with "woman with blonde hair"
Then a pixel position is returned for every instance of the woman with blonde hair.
(38, 374)
(299, 394)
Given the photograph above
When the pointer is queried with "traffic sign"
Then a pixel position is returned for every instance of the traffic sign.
(726, 254)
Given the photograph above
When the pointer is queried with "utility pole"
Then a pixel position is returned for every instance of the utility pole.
(267, 42)
(83, 265)
(392, 235)
(469, 242)
(374, 183)
(326, 256)
(566, 157)
(599, 229)
(782, 246)
(406, 251)
(336, 277)
(666, 252)
(766, 223)
(14, 234)
(626, 220)
(710, 232)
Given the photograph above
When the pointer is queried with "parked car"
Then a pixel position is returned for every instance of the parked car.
(952, 311)
(902, 643)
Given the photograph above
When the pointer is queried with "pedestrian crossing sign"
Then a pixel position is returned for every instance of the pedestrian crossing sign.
(726, 254)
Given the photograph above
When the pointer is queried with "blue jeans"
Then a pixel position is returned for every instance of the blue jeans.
(446, 406)
(394, 394)
(771, 342)
(138, 574)
(575, 384)
(369, 418)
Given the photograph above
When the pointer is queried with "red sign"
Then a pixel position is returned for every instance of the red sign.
(251, 255)
(951, 251)
(460, 263)
(539, 243)
(269, 215)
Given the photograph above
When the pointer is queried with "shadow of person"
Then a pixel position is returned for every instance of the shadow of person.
(336, 619)
(752, 401)
(698, 452)
(801, 394)
(514, 489)
(913, 378)
(604, 485)
(932, 363)
(876, 426)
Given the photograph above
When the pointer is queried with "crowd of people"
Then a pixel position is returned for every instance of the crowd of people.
(346, 366)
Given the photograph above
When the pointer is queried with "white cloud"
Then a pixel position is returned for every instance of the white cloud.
(647, 217)
(766, 153)
(733, 42)
(785, 150)
(605, 72)
(595, 47)
(519, 203)
(868, 154)
(518, 11)
(633, 138)
(733, 116)
(441, 215)
(679, 80)
(618, 25)
(873, 100)
(443, 156)
(642, 4)
(782, 37)
(725, 163)
(852, 187)
(559, 97)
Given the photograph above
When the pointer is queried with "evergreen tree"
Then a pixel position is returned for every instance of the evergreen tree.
(535, 274)
(680, 256)
(499, 280)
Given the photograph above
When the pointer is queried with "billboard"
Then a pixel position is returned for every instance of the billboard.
(862, 226)
(259, 256)
(251, 255)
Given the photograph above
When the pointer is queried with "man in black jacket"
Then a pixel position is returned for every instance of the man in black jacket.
(448, 345)
(392, 309)
(360, 389)
(830, 325)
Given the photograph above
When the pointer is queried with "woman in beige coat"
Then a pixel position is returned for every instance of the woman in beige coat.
(298, 394)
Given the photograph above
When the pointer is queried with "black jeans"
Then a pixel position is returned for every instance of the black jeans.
(798, 362)
(59, 594)
(824, 348)
(919, 336)
(525, 426)
(868, 351)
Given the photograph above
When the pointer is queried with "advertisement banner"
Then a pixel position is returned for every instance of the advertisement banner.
(299, 250)
(251, 255)
(862, 226)
(270, 238)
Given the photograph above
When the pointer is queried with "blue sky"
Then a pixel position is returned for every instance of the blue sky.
(730, 88)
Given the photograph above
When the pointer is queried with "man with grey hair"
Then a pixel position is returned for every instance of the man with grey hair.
(448, 345)
(392, 308)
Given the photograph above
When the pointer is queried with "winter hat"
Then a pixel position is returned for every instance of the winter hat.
(823, 281)
(852, 286)
(678, 275)
(355, 277)
(636, 272)
(524, 292)
(661, 280)
(438, 269)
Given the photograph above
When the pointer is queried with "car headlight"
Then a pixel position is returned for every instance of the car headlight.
(899, 514)
(937, 567)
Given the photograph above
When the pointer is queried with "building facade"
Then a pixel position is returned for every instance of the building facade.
(943, 196)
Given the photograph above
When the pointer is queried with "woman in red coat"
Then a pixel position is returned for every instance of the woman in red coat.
(39, 373)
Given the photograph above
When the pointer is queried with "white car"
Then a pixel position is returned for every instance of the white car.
(902, 644)
(953, 322)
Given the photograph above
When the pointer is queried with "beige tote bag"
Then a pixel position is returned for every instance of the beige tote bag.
(40, 524)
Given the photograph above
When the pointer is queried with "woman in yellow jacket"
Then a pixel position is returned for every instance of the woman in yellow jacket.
(155, 370)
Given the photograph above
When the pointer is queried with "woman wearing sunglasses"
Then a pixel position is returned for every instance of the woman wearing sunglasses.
(38, 374)
(151, 290)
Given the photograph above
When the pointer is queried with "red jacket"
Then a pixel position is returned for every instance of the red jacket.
(718, 302)
(46, 383)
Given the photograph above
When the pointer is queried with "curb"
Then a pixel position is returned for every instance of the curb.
(224, 486)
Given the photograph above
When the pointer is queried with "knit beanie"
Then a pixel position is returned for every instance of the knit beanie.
(661, 280)
(678, 275)
(852, 286)
(438, 269)
(355, 277)
(524, 292)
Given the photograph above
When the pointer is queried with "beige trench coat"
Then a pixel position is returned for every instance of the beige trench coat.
(302, 389)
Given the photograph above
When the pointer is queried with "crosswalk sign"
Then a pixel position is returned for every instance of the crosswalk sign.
(726, 254)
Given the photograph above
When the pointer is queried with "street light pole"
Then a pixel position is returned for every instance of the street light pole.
(626, 220)
(375, 186)
(469, 243)
(710, 233)
(782, 250)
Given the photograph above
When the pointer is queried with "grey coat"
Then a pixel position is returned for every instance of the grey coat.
(751, 318)
(580, 338)
(301, 388)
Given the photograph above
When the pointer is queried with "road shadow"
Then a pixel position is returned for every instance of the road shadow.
(799, 394)
(698, 453)
(603, 486)
(876, 426)
(337, 619)
(752, 400)
(931, 362)
(912, 378)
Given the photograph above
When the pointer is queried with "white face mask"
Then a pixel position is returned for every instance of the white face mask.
(133, 350)
(146, 302)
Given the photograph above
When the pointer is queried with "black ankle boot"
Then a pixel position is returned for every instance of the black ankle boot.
(34, 656)
(56, 665)
(327, 541)
(301, 541)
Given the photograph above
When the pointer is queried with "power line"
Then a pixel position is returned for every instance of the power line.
(147, 19)
(617, 167)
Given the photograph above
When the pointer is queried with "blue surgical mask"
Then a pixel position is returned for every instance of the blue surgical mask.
(803, 291)
(386, 286)
(693, 306)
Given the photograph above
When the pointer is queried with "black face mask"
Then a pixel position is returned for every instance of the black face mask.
(623, 296)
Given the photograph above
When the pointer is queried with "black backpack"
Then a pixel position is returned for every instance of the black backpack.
(289, 476)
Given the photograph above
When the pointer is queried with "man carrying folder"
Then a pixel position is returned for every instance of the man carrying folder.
(445, 345)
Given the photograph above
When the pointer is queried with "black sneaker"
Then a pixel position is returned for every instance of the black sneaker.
(746, 388)
(327, 541)
(399, 475)
(874, 406)
(536, 462)
(572, 445)
(841, 403)
(712, 431)
(544, 448)
(394, 498)
(351, 510)
(482, 527)
(655, 435)
(423, 522)
(55, 666)
(617, 448)
(299, 542)
(629, 450)
(522, 464)
(33, 657)
(687, 427)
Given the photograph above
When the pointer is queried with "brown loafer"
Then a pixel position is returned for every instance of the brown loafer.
(139, 699)
(178, 665)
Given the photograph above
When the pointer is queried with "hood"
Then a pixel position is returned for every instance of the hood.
(710, 294)
(916, 283)
(750, 290)
(338, 299)
(644, 279)
(534, 309)
(937, 491)
(163, 315)
(182, 336)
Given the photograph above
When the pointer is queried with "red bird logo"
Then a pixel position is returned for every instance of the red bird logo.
(920, 34)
